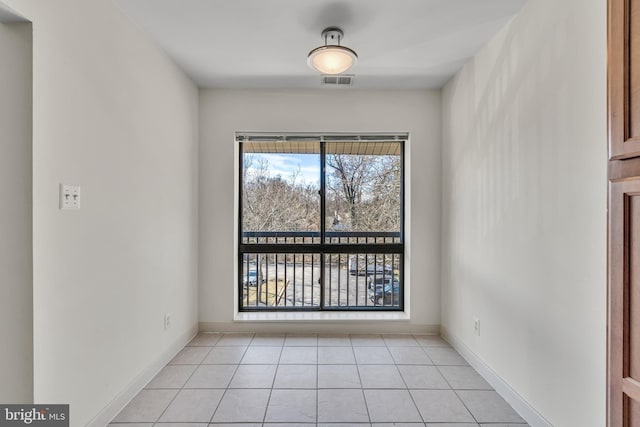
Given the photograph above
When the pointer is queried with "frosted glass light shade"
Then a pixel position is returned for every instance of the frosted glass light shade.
(332, 59)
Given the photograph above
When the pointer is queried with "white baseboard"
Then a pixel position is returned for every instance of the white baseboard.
(517, 402)
(321, 327)
(114, 407)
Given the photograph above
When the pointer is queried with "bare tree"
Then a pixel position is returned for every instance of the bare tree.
(363, 194)
(352, 174)
(367, 189)
(274, 203)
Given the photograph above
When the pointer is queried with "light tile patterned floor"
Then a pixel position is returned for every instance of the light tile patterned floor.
(290, 380)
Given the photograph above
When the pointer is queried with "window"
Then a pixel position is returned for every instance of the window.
(321, 222)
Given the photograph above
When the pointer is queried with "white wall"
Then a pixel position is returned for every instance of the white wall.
(16, 288)
(524, 208)
(223, 112)
(113, 114)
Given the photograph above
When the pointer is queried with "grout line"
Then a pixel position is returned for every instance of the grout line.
(466, 407)
(278, 364)
(317, 363)
(364, 397)
(231, 379)
(185, 383)
(410, 395)
(428, 357)
(454, 391)
(266, 408)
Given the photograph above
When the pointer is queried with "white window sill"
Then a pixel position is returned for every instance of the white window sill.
(315, 316)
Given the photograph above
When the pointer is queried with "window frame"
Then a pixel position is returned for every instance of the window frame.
(322, 248)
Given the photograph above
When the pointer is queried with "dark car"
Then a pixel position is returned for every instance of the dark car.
(379, 270)
(359, 267)
(384, 291)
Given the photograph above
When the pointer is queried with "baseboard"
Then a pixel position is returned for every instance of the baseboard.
(517, 402)
(114, 407)
(355, 327)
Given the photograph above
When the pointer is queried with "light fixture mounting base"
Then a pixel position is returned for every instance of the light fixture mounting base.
(332, 35)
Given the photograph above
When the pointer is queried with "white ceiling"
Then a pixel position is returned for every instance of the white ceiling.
(401, 44)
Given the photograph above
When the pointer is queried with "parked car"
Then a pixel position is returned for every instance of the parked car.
(384, 290)
(359, 267)
(380, 270)
(251, 278)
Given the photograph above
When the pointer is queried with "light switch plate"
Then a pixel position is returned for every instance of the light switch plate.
(69, 197)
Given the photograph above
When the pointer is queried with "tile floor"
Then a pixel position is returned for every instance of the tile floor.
(317, 380)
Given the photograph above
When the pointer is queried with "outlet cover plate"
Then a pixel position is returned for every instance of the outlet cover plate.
(476, 326)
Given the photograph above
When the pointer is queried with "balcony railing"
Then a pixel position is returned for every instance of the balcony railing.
(297, 271)
(314, 237)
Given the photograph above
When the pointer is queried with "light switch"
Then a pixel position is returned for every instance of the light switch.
(69, 196)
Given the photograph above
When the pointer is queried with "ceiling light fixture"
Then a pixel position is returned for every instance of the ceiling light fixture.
(332, 58)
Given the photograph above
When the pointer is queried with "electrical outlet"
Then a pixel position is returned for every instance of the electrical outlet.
(69, 197)
(476, 326)
(167, 321)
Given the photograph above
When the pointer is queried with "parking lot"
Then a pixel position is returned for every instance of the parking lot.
(298, 286)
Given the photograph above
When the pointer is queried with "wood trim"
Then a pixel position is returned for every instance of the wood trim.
(623, 120)
(619, 169)
(631, 388)
(615, 77)
(615, 304)
(619, 251)
(622, 145)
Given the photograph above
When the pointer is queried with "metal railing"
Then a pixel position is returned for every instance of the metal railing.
(297, 271)
(314, 237)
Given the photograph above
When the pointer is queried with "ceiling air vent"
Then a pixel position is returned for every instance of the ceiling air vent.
(337, 80)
